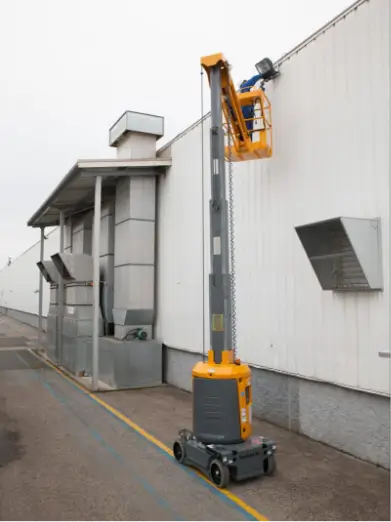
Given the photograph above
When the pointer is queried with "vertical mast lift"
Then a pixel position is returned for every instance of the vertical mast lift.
(221, 444)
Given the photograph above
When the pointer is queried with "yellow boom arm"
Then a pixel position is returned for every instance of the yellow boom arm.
(245, 144)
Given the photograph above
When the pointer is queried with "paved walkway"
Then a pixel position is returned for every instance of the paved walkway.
(64, 456)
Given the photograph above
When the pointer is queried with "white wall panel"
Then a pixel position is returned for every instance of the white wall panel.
(19, 282)
(331, 136)
(180, 237)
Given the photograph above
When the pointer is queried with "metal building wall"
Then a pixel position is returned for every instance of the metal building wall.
(19, 282)
(331, 159)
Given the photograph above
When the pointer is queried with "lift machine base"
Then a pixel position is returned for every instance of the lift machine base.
(221, 463)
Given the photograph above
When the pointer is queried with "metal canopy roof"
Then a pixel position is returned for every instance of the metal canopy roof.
(75, 192)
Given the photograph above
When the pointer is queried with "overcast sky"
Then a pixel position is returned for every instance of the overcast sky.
(69, 68)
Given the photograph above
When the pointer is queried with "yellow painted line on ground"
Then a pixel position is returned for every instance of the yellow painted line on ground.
(238, 501)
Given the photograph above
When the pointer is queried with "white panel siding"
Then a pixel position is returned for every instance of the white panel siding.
(180, 267)
(19, 282)
(331, 137)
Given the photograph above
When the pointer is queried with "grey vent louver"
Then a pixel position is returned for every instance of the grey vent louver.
(73, 267)
(48, 271)
(344, 252)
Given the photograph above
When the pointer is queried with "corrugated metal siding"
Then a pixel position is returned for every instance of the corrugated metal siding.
(19, 282)
(180, 240)
(331, 136)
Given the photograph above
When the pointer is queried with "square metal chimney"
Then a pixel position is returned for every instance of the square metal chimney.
(345, 253)
(140, 122)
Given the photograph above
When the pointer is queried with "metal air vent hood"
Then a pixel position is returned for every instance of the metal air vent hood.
(345, 253)
(73, 267)
(49, 272)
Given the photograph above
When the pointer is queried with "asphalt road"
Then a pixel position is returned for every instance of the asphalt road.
(64, 457)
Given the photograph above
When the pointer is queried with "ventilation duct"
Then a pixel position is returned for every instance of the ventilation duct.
(345, 253)
(74, 267)
(48, 271)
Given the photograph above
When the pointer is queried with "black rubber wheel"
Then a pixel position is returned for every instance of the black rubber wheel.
(269, 465)
(219, 473)
(179, 452)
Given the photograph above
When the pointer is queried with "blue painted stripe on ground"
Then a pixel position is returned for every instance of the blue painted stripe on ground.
(187, 470)
(61, 399)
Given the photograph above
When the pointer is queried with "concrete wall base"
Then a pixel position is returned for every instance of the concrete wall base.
(353, 421)
(24, 317)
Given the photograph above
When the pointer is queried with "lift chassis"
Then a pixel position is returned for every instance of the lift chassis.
(249, 459)
(221, 444)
